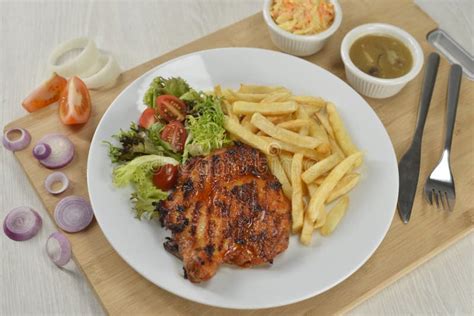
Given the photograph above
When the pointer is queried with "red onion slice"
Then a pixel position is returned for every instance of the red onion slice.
(16, 144)
(58, 249)
(62, 151)
(54, 178)
(41, 151)
(73, 214)
(22, 223)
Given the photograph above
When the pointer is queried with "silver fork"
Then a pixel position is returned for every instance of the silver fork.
(439, 185)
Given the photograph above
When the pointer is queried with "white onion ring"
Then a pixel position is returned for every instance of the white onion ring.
(105, 76)
(93, 69)
(18, 144)
(58, 249)
(77, 65)
(56, 177)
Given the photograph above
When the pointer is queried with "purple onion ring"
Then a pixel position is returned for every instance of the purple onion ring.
(58, 249)
(22, 223)
(62, 151)
(56, 177)
(41, 151)
(17, 144)
(73, 214)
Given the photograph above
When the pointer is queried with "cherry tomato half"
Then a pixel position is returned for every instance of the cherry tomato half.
(47, 93)
(171, 108)
(175, 134)
(165, 177)
(147, 118)
(75, 103)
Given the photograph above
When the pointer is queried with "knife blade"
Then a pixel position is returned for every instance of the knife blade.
(409, 165)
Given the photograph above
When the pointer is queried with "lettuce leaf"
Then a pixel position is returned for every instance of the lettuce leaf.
(206, 126)
(137, 142)
(159, 86)
(139, 173)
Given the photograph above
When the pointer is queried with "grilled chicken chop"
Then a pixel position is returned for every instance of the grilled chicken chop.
(226, 208)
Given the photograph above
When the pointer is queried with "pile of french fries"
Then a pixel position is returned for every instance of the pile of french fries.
(307, 147)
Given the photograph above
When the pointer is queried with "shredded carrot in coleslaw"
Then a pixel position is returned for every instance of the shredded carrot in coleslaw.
(303, 17)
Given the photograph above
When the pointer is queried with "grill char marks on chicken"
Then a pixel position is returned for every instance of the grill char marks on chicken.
(226, 208)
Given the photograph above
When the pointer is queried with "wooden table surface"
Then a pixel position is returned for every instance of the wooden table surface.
(136, 31)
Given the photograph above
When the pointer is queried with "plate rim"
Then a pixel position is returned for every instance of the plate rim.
(246, 307)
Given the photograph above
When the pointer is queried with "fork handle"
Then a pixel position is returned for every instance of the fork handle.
(454, 85)
(425, 98)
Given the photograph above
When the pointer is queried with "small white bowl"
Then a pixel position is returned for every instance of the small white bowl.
(372, 86)
(300, 45)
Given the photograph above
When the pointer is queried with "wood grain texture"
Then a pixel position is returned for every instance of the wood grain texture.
(112, 283)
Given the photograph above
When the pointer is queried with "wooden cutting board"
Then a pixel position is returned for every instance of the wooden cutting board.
(123, 291)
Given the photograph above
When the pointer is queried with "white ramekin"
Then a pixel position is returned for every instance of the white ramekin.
(372, 86)
(300, 45)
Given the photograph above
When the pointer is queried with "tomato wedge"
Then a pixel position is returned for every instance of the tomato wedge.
(175, 134)
(75, 103)
(165, 177)
(147, 118)
(47, 93)
(171, 108)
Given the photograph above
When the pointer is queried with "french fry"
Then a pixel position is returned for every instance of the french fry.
(249, 88)
(323, 118)
(307, 232)
(246, 123)
(310, 110)
(312, 188)
(321, 220)
(286, 160)
(277, 97)
(297, 210)
(274, 108)
(218, 90)
(277, 170)
(246, 136)
(249, 97)
(307, 163)
(335, 147)
(308, 153)
(334, 216)
(301, 114)
(340, 132)
(347, 183)
(282, 134)
(317, 131)
(320, 168)
(316, 203)
(319, 180)
(312, 102)
(294, 124)
(277, 119)
(228, 108)
(228, 95)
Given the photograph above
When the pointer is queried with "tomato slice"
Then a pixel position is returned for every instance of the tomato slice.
(147, 118)
(175, 134)
(47, 93)
(75, 103)
(165, 177)
(171, 108)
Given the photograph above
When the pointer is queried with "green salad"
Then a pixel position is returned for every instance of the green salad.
(178, 123)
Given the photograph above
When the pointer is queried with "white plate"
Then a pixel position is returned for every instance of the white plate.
(300, 272)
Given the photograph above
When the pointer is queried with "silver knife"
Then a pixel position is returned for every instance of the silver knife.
(409, 165)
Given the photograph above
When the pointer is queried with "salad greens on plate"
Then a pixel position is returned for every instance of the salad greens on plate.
(179, 123)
